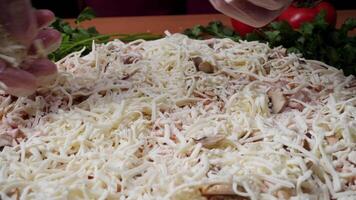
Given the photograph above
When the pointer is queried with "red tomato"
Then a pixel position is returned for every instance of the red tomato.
(296, 16)
(330, 12)
(241, 28)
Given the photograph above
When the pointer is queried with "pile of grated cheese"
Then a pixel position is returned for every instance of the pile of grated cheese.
(145, 120)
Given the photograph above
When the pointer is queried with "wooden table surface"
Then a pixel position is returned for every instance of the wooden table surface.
(175, 23)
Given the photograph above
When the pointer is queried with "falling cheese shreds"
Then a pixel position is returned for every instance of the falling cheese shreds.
(132, 120)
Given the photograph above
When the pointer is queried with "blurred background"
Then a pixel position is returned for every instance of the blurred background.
(109, 8)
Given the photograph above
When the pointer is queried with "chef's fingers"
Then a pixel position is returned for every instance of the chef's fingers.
(43, 69)
(246, 12)
(16, 81)
(227, 9)
(270, 4)
(46, 41)
(17, 18)
(256, 16)
(44, 18)
(234, 9)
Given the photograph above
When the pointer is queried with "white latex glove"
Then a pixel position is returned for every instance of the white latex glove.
(256, 13)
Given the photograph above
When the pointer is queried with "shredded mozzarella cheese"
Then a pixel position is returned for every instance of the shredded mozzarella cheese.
(141, 121)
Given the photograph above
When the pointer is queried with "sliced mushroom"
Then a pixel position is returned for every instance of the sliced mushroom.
(295, 105)
(206, 67)
(279, 101)
(163, 107)
(284, 193)
(129, 59)
(187, 101)
(5, 140)
(146, 110)
(19, 136)
(14, 193)
(220, 192)
(306, 145)
(203, 66)
(218, 189)
(206, 94)
(118, 187)
(129, 73)
(309, 164)
(210, 141)
(331, 139)
(81, 98)
(197, 61)
(317, 170)
(267, 68)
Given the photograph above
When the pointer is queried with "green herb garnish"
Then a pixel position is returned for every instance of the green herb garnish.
(315, 40)
(213, 29)
(77, 38)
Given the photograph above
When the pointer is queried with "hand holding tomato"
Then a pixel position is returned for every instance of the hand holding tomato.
(295, 15)
(256, 13)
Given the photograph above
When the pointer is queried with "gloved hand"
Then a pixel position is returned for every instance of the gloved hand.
(256, 13)
(23, 66)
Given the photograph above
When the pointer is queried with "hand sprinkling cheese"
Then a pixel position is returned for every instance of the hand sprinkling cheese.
(24, 43)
